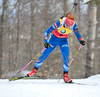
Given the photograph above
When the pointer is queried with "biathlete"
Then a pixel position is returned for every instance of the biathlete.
(59, 37)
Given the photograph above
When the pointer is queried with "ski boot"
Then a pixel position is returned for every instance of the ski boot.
(66, 79)
(32, 73)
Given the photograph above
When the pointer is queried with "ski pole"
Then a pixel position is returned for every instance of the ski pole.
(28, 64)
(72, 59)
(75, 55)
(75, 4)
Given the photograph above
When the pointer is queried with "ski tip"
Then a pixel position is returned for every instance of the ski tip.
(8, 81)
(58, 81)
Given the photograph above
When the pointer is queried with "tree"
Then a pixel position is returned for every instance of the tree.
(91, 40)
(17, 34)
(1, 33)
(97, 2)
(97, 43)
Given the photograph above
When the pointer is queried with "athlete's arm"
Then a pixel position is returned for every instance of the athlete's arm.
(76, 31)
(50, 29)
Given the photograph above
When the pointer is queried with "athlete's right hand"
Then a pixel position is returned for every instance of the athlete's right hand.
(82, 42)
(47, 45)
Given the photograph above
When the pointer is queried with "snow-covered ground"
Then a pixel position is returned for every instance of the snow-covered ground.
(50, 88)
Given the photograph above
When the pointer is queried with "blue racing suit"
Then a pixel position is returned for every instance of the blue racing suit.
(59, 37)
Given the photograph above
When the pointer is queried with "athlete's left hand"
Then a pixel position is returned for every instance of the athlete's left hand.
(82, 42)
(47, 45)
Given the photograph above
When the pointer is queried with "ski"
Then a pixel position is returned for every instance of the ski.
(24, 77)
(82, 84)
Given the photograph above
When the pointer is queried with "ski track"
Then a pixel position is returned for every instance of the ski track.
(50, 88)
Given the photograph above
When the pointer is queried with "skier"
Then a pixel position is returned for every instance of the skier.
(59, 37)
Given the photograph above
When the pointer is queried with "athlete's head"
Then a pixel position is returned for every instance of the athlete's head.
(69, 20)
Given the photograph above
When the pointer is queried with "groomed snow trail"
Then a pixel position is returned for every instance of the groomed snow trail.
(50, 88)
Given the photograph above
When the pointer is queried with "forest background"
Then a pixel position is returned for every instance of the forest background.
(22, 26)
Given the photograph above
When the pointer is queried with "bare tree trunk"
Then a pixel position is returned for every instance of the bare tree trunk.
(17, 35)
(65, 8)
(32, 30)
(1, 35)
(1, 32)
(91, 40)
(97, 49)
(79, 16)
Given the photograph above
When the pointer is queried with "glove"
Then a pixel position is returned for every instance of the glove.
(47, 45)
(82, 42)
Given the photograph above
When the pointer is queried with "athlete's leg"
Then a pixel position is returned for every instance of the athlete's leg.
(64, 47)
(46, 53)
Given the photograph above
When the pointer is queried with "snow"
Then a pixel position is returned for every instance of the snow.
(50, 88)
(84, 1)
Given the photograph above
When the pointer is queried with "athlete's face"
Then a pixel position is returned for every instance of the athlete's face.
(67, 26)
(69, 22)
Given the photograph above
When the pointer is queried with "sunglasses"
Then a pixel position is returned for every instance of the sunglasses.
(67, 24)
